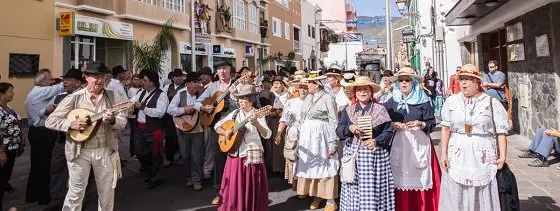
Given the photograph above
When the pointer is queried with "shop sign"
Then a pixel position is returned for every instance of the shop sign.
(96, 27)
(218, 49)
(202, 39)
(229, 52)
(200, 49)
(66, 24)
(408, 36)
(185, 47)
(249, 50)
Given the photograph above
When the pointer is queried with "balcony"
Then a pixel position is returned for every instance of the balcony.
(297, 46)
(106, 7)
(154, 14)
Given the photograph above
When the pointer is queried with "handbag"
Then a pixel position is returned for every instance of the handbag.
(507, 184)
(348, 167)
(291, 149)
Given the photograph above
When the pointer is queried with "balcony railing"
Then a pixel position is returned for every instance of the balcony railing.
(101, 4)
(297, 46)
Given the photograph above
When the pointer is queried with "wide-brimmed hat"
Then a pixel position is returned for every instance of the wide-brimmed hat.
(387, 73)
(96, 67)
(74, 73)
(406, 71)
(348, 78)
(363, 81)
(470, 70)
(176, 72)
(332, 72)
(206, 71)
(244, 90)
(223, 63)
(300, 73)
(118, 69)
(191, 76)
(315, 75)
(281, 79)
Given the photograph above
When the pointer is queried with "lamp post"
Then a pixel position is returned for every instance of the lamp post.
(389, 55)
(193, 39)
(318, 10)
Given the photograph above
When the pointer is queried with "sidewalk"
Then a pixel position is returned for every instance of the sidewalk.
(538, 187)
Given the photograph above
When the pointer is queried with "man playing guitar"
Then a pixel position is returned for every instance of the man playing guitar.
(99, 152)
(223, 84)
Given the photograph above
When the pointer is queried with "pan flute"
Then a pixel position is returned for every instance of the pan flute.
(364, 123)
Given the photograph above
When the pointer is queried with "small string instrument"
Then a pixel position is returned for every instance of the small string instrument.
(93, 120)
(217, 101)
(186, 122)
(364, 123)
(229, 143)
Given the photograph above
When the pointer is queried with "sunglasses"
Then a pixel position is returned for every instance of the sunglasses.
(468, 78)
(404, 80)
(491, 67)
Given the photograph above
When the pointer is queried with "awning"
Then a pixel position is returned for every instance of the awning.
(467, 12)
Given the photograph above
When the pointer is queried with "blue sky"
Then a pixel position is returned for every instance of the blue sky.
(373, 7)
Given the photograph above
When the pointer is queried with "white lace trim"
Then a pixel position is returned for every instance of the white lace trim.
(476, 182)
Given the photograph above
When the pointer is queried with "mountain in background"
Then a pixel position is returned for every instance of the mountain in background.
(376, 31)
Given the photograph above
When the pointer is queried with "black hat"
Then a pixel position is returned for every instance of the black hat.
(176, 72)
(332, 72)
(266, 79)
(388, 73)
(279, 78)
(206, 71)
(151, 75)
(191, 76)
(223, 63)
(96, 67)
(74, 73)
(118, 69)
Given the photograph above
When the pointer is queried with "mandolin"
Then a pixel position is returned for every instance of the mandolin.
(93, 120)
(217, 101)
(186, 122)
(231, 143)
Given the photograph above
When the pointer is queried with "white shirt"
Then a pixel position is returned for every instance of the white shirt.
(280, 100)
(212, 88)
(166, 87)
(118, 87)
(341, 100)
(251, 135)
(156, 112)
(37, 100)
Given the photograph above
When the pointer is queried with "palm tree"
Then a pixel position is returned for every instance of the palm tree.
(147, 55)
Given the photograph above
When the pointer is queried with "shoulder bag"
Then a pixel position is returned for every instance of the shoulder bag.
(291, 146)
(507, 184)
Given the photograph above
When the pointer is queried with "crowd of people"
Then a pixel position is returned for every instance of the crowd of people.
(332, 134)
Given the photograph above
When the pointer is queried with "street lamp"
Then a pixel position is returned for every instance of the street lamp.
(318, 10)
(401, 4)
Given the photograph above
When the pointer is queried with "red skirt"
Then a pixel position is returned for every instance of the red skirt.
(244, 188)
(421, 200)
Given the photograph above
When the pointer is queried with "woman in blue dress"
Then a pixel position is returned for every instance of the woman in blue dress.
(373, 187)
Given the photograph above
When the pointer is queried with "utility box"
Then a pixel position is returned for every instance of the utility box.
(439, 33)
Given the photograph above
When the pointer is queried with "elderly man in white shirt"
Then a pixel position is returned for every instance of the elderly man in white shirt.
(151, 105)
(118, 82)
(41, 139)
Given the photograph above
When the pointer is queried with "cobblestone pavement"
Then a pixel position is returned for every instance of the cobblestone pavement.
(537, 187)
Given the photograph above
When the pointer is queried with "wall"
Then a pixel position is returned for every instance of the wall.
(332, 10)
(339, 51)
(309, 43)
(26, 32)
(291, 15)
(539, 74)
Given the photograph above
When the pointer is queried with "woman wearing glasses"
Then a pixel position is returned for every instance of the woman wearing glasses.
(468, 148)
(413, 159)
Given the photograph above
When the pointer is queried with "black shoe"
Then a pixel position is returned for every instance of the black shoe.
(9, 188)
(154, 184)
(146, 179)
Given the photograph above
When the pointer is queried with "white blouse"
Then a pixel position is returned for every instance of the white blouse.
(457, 110)
(291, 116)
(251, 135)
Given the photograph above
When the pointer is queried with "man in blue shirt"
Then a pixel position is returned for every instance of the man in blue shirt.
(494, 82)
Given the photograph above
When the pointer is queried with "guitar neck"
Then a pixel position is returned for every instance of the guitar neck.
(98, 116)
(241, 124)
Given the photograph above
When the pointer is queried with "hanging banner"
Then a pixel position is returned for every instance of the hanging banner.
(96, 27)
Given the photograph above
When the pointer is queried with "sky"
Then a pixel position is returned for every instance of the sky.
(373, 7)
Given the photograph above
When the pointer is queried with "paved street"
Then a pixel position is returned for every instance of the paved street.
(537, 187)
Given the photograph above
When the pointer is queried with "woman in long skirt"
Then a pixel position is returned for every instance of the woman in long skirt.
(414, 161)
(244, 184)
(373, 185)
(281, 96)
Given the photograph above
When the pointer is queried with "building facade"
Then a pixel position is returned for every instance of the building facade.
(285, 34)
(351, 18)
(334, 14)
(310, 34)
(27, 42)
(523, 37)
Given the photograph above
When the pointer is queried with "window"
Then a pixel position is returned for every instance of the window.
(287, 31)
(283, 2)
(175, 5)
(309, 30)
(276, 27)
(152, 2)
(253, 19)
(23, 65)
(312, 32)
(239, 15)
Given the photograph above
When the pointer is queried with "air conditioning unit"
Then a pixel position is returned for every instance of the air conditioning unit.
(439, 33)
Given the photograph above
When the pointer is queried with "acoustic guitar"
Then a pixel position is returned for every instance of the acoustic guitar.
(186, 122)
(93, 120)
(229, 143)
(217, 101)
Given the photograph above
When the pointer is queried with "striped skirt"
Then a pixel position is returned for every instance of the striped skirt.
(373, 188)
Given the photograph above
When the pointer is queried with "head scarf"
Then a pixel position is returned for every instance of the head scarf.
(415, 97)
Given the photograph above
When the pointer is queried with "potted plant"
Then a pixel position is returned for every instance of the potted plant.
(227, 14)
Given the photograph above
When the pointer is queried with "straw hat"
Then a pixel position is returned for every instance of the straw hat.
(470, 70)
(406, 71)
(332, 72)
(300, 73)
(315, 75)
(363, 81)
(244, 90)
(348, 78)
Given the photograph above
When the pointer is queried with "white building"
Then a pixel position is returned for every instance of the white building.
(333, 10)
(340, 53)
(310, 34)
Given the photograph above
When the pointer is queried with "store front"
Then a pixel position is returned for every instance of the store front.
(92, 39)
(185, 51)
(222, 54)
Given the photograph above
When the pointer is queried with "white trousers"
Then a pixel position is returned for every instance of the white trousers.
(100, 160)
